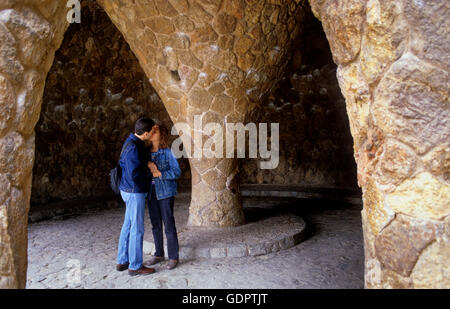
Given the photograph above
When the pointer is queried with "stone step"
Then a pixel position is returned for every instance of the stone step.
(350, 195)
(252, 239)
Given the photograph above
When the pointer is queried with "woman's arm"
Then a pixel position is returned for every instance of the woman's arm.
(174, 170)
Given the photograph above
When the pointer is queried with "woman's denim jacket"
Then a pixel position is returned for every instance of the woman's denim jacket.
(166, 185)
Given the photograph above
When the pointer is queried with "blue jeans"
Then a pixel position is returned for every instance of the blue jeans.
(162, 211)
(132, 234)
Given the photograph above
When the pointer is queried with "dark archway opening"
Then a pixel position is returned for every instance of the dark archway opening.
(94, 93)
(316, 147)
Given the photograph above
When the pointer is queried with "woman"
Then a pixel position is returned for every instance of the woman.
(165, 170)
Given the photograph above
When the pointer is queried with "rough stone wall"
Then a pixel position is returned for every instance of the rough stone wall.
(315, 140)
(393, 71)
(30, 32)
(93, 94)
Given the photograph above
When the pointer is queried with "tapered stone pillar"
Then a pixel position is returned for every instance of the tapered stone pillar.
(393, 70)
(215, 59)
(30, 33)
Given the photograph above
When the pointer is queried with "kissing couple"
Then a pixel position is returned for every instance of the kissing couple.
(149, 173)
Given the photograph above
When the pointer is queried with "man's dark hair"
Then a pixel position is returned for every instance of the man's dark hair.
(143, 125)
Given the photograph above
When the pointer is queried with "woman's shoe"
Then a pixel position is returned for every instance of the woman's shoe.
(122, 267)
(154, 260)
(172, 264)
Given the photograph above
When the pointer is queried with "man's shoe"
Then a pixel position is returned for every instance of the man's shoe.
(141, 271)
(122, 267)
(172, 264)
(154, 260)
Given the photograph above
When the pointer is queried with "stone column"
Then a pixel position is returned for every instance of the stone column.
(215, 59)
(393, 71)
(30, 33)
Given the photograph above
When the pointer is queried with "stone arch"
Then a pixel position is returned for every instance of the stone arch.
(94, 92)
(385, 73)
(398, 112)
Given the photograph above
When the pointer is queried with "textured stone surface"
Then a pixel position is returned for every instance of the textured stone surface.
(396, 163)
(29, 41)
(437, 161)
(33, 31)
(377, 213)
(432, 269)
(258, 237)
(7, 99)
(9, 62)
(415, 84)
(422, 196)
(392, 69)
(429, 22)
(357, 99)
(401, 243)
(393, 74)
(383, 40)
(342, 22)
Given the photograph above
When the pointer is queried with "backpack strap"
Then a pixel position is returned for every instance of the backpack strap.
(125, 148)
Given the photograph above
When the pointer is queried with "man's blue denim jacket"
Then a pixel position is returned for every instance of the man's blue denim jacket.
(136, 176)
(166, 185)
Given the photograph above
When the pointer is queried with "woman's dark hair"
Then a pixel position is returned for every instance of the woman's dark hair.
(143, 125)
(163, 137)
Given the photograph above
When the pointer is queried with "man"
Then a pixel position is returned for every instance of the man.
(133, 187)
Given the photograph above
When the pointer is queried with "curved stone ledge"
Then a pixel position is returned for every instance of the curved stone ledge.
(252, 239)
(291, 191)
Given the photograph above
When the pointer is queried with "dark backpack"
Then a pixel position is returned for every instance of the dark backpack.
(115, 174)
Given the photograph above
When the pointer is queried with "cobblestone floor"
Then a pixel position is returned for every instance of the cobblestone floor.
(80, 252)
